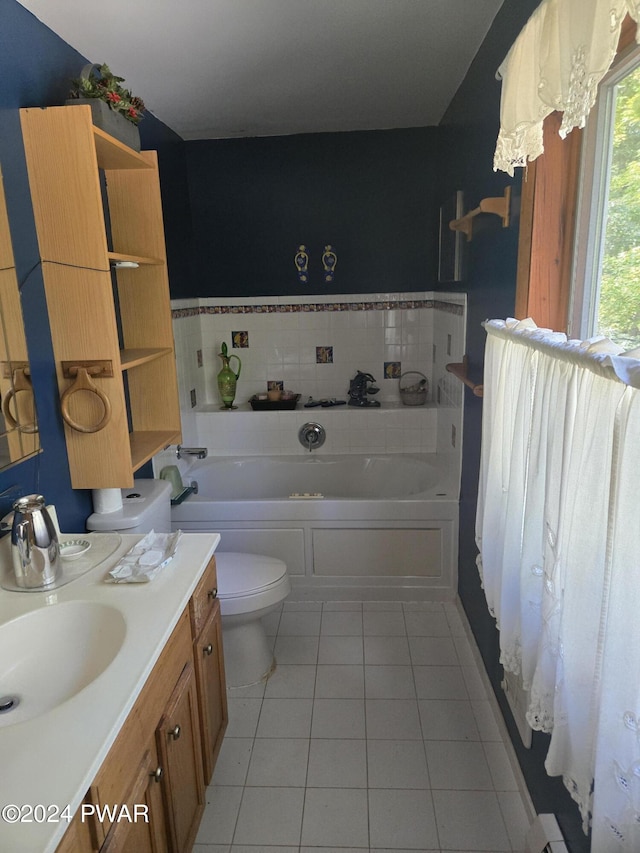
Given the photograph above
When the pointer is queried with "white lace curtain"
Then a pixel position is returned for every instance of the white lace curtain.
(558, 530)
(556, 63)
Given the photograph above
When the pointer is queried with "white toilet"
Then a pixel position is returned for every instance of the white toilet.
(249, 587)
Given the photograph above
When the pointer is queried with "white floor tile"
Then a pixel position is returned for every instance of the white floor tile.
(447, 720)
(389, 682)
(397, 764)
(383, 624)
(233, 761)
(296, 650)
(285, 718)
(426, 624)
(458, 765)
(486, 720)
(440, 682)
(338, 718)
(335, 817)
(281, 762)
(270, 816)
(341, 623)
(220, 814)
(302, 750)
(299, 624)
(500, 767)
(402, 819)
(337, 764)
(340, 650)
(470, 820)
(433, 651)
(243, 716)
(515, 817)
(393, 719)
(291, 681)
(380, 651)
(339, 681)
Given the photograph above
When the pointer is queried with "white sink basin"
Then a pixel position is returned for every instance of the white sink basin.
(48, 655)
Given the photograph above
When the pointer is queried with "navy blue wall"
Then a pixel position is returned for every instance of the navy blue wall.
(371, 195)
(35, 68)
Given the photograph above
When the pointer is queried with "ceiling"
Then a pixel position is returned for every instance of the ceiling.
(214, 69)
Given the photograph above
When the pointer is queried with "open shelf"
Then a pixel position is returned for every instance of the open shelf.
(146, 444)
(114, 257)
(134, 357)
(113, 154)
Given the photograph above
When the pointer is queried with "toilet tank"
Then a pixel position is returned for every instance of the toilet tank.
(145, 507)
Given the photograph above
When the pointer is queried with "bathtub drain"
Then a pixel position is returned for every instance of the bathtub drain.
(8, 703)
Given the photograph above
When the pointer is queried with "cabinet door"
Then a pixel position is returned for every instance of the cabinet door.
(142, 828)
(180, 751)
(212, 693)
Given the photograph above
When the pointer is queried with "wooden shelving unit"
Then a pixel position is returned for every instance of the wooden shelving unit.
(67, 158)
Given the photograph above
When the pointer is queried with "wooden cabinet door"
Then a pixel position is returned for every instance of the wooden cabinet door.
(212, 692)
(180, 751)
(143, 829)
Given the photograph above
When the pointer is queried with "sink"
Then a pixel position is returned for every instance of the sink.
(49, 655)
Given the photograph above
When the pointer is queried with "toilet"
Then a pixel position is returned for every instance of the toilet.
(249, 587)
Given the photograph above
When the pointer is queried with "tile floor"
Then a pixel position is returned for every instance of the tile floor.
(375, 733)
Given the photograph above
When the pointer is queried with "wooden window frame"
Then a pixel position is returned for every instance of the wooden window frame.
(548, 219)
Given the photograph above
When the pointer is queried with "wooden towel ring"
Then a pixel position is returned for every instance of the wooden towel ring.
(83, 383)
(21, 382)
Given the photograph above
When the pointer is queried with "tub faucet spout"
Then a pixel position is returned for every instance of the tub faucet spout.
(198, 452)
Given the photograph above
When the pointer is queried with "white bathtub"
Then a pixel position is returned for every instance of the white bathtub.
(357, 526)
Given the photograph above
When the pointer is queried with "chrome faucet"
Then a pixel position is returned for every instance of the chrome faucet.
(311, 436)
(198, 452)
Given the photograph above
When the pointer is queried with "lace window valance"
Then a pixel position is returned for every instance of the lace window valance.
(556, 63)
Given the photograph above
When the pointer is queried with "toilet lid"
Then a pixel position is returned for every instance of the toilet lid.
(239, 574)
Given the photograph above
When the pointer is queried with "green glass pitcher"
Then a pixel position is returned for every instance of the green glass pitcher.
(227, 379)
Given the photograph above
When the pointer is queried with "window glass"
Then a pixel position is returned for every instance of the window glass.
(607, 282)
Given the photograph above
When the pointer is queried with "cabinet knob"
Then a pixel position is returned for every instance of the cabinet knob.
(157, 774)
(175, 733)
(213, 593)
(208, 649)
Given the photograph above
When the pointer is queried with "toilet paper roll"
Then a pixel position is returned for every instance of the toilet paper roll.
(106, 500)
(171, 474)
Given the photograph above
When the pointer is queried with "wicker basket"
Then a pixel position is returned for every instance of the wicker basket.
(414, 393)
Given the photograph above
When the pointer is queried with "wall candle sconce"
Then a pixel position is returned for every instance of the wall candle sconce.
(329, 261)
(301, 261)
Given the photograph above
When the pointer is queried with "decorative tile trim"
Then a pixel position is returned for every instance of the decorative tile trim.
(312, 307)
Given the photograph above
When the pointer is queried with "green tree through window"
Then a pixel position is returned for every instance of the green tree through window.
(619, 297)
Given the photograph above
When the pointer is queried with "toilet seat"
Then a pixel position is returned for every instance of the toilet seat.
(248, 582)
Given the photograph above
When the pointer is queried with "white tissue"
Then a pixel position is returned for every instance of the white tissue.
(146, 559)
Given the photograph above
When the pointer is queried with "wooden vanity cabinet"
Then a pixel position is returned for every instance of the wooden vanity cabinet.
(166, 750)
(180, 751)
(206, 627)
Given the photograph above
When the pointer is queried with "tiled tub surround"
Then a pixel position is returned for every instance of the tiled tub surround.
(377, 732)
(314, 345)
(335, 549)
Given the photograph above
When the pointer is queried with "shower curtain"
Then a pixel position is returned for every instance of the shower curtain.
(558, 534)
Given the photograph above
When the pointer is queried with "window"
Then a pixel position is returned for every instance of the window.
(606, 292)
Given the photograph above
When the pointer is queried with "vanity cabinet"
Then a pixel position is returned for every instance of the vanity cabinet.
(206, 627)
(155, 767)
(96, 205)
(180, 751)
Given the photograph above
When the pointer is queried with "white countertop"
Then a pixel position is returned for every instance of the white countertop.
(51, 760)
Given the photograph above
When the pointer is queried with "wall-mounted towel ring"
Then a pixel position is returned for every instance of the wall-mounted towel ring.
(301, 261)
(329, 261)
(83, 383)
(21, 381)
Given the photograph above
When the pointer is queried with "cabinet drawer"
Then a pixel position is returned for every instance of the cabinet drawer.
(202, 601)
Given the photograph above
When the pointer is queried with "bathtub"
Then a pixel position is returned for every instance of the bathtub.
(357, 526)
